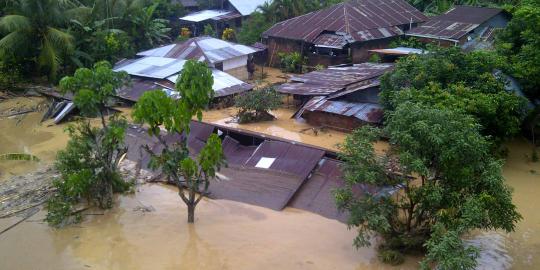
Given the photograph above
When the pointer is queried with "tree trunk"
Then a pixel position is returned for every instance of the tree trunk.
(191, 213)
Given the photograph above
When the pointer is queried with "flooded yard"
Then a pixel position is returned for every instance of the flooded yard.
(226, 235)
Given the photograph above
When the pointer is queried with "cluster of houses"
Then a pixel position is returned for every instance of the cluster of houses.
(341, 38)
(273, 172)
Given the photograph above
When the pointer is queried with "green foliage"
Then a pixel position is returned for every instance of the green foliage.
(255, 105)
(35, 33)
(408, 42)
(89, 164)
(520, 45)
(94, 88)
(156, 109)
(148, 31)
(9, 75)
(18, 156)
(448, 78)
(434, 7)
(253, 28)
(292, 62)
(457, 186)
(374, 58)
(209, 31)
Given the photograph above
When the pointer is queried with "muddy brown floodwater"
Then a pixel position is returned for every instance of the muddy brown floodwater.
(228, 235)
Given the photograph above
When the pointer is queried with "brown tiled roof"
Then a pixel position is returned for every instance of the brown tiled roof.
(455, 23)
(361, 20)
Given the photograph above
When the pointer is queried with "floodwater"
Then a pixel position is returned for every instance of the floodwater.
(25, 134)
(227, 235)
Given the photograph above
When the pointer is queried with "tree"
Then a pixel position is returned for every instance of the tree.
(35, 33)
(156, 109)
(292, 62)
(256, 105)
(520, 45)
(148, 31)
(209, 31)
(229, 34)
(253, 28)
(449, 184)
(449, 78)
(89, 164)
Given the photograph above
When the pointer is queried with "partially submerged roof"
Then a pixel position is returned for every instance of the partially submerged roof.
(204, 15)
(365, 112)
(358, 20)
(246, 7)
(208, 49)
(455, 23)
(334, 79)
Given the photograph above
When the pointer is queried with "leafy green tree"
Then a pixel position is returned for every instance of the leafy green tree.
(35, 32)
(292, 62)
(520, 45)
(89, 164)
(449, 78)
(148, 31)
(253, 28)
(449, 185)
(256, 105)
(191, 175)
(209, 31)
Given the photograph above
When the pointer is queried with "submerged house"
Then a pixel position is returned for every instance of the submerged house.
(342, 33)
(464, 26)
(232, 58)
(341, 98)
(229, 14)
(159, 68)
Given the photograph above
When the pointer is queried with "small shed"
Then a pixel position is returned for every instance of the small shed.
(225, 14)
(342, 33)
(464, 26)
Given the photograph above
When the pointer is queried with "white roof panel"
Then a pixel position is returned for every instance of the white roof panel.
(158, 52)
(204, 15)
(153, 67)
(246, 7)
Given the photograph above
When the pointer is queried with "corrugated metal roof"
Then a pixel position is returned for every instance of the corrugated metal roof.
(367, 112)
(361, 19)
(455, 23)
(331, 41)
(152, 67)
(335, 79)
(138, 87)
(204, 15)
(246, 7)
(210, 49)
(289, 158)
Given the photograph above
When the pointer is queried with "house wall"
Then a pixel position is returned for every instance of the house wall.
(360, 50)
(240, 73)
(326, 60)
(334, 121)
(277, 45)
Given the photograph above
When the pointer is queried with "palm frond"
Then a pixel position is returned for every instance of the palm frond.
(12, 23)
(49, 57)
(18, 156)
(60, 40)
(15, 42)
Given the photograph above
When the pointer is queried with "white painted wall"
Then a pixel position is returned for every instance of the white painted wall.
(235, 62)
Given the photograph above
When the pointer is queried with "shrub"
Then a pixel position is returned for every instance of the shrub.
(292, 62)
(255, 105)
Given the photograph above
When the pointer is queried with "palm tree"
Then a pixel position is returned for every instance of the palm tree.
(36, 31)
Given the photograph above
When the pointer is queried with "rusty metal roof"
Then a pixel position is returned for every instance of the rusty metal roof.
(362, 20)
(329, 40)
(289, 158)
(137, 87)
(455, 23)
(366, 112)
(334, 79)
